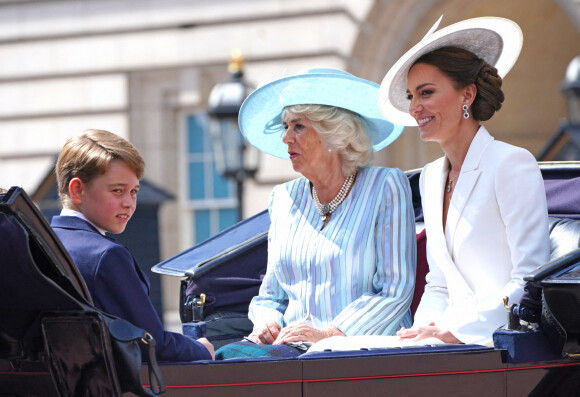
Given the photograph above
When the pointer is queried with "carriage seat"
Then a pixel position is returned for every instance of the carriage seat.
(564, 236)
(564, 239)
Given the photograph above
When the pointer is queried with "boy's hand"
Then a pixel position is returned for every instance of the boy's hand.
(208, 346)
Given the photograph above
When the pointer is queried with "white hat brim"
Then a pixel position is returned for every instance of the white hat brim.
(260, 115)
(498, 41)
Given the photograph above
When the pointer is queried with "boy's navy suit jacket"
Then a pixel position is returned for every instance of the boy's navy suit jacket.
(119, 287)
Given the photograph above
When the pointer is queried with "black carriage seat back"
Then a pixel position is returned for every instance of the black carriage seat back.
(562, 183)
(37, 273)
(560, 278)
(564, 236)
(46, 320)
(560, 282)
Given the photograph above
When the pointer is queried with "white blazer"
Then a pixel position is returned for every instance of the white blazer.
(496, 233)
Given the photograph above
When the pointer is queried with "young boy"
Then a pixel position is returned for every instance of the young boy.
(98, 176)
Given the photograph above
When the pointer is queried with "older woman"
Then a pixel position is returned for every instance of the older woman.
(341, 253)
(484, 202)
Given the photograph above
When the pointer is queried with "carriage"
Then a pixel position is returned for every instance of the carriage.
(41, 287)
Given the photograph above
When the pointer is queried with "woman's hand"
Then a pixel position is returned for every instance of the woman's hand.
(427, 331)
(267, 334)
(304, 333)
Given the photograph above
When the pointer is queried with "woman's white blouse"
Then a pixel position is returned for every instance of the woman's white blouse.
(357, 274)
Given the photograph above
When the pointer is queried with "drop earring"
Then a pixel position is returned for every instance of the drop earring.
(465, 114)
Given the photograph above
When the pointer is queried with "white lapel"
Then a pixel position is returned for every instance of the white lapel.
(435, 176)
(434, 180)
(466, 181)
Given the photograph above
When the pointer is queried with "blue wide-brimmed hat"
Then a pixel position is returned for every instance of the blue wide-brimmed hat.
(260, 117)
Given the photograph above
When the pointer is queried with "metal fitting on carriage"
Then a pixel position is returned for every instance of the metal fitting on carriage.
(193, 308)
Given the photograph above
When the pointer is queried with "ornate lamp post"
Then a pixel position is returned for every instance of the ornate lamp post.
(235, 159)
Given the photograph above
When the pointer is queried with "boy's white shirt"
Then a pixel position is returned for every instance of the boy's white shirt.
(69, 212)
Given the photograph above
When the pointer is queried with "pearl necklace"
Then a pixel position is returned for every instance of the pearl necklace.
(326, 209)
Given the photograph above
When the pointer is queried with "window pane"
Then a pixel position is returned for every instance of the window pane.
(195, 135)
(196, 181)
(202, 225)
(206, 184)
(228, 217)
(221, 185)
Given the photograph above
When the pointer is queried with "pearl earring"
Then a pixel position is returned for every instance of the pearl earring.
(465, 114)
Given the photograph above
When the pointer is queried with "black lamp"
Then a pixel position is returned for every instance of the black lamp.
(235, 159)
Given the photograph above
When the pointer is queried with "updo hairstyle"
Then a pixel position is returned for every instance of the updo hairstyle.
(464, 67)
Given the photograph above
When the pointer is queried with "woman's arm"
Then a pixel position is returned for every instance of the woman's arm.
(268, 307)
(121, 291)
(394, 278)
(521, 198)
(271, 302)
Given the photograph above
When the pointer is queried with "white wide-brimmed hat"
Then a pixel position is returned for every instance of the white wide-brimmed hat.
(260, 117)
(498, 41)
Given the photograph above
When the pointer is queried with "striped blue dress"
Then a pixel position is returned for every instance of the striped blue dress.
(357, 274)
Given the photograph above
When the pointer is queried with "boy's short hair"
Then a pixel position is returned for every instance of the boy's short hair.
(89, 155)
